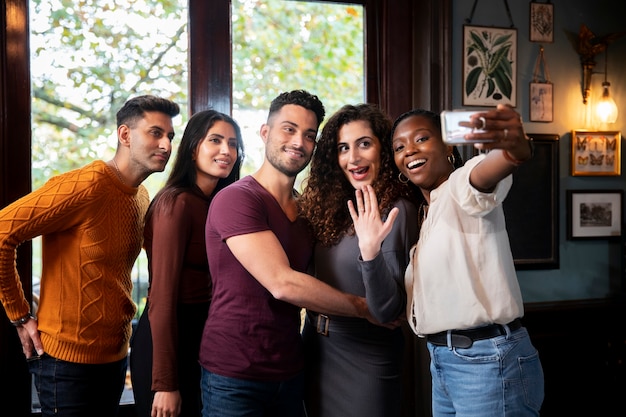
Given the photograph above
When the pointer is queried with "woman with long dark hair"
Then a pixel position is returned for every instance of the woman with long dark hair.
(164, 351)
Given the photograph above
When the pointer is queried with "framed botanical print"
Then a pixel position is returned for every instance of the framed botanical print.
(596, 153)
(489, 66)
(541, 22)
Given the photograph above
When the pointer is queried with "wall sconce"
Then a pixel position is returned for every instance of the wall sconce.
(588, 46)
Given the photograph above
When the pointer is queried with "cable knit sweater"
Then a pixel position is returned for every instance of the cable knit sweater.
(91, 226)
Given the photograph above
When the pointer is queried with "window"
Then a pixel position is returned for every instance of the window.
(89, 58)
(279, 46)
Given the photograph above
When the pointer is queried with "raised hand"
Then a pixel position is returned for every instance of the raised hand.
(368, 224)
(503, 128)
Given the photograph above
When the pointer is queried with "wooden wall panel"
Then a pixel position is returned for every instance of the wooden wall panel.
(14, 182)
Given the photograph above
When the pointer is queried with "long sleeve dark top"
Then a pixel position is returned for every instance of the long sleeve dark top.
(179, 273)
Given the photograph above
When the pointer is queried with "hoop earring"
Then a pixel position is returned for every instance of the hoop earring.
(452, 159)
(403, 179)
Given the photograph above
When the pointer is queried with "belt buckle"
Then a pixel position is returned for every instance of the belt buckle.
(461, 341)
(323, 322)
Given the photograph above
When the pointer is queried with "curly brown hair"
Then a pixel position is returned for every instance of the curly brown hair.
(324, 200)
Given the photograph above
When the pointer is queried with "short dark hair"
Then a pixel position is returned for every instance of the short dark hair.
(433, 117)
(300, 98)
(135, 108)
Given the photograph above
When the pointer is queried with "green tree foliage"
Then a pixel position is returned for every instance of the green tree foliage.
(88, 58)
(282, 45)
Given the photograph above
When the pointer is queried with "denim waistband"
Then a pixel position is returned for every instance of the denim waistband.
(465, 338)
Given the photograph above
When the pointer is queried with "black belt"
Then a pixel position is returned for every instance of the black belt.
(465, 338)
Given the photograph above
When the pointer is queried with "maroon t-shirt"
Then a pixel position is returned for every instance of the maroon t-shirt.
(249, 334)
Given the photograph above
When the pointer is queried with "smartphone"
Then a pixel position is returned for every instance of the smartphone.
(452, 133)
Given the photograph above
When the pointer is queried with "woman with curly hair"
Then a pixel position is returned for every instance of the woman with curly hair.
(353, 366)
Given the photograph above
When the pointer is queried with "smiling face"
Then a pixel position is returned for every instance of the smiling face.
(289, 138)
(420, 154)
(216, 153)
(358, 153)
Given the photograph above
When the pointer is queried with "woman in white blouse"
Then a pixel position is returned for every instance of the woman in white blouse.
(462, 289)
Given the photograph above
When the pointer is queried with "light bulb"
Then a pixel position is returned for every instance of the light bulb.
(606, 108)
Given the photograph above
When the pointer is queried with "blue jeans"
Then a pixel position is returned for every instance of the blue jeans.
(233, 397)
(501, 376)
(77, 390)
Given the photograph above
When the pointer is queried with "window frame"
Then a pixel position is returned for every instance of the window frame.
(394, 32)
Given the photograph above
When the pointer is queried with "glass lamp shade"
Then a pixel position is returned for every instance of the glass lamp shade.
(606, 108)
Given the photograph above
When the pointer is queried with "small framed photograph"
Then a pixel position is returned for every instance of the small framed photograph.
(596, 153)
(489, 66)
(541, 22)
(594, 214)
(541, 102)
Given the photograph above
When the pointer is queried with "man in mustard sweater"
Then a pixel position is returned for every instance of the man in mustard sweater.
(91, 222)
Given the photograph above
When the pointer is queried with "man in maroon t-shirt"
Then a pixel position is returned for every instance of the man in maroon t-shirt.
(258, 250)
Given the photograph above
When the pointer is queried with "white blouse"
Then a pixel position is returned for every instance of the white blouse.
(461, 274)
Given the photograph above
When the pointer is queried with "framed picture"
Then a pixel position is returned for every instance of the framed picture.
(594, 214)
(489, 66)
(596, 153)
(531, 208)
(541, 22)
(541, 102)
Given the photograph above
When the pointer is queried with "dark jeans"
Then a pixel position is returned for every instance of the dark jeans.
(232, 397)
(69, 389)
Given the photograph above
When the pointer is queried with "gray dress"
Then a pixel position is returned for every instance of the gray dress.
(356, 368)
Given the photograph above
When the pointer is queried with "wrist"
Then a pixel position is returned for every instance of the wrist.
(514, 160)
(369, 254)
(23, 320)
(361, 307)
